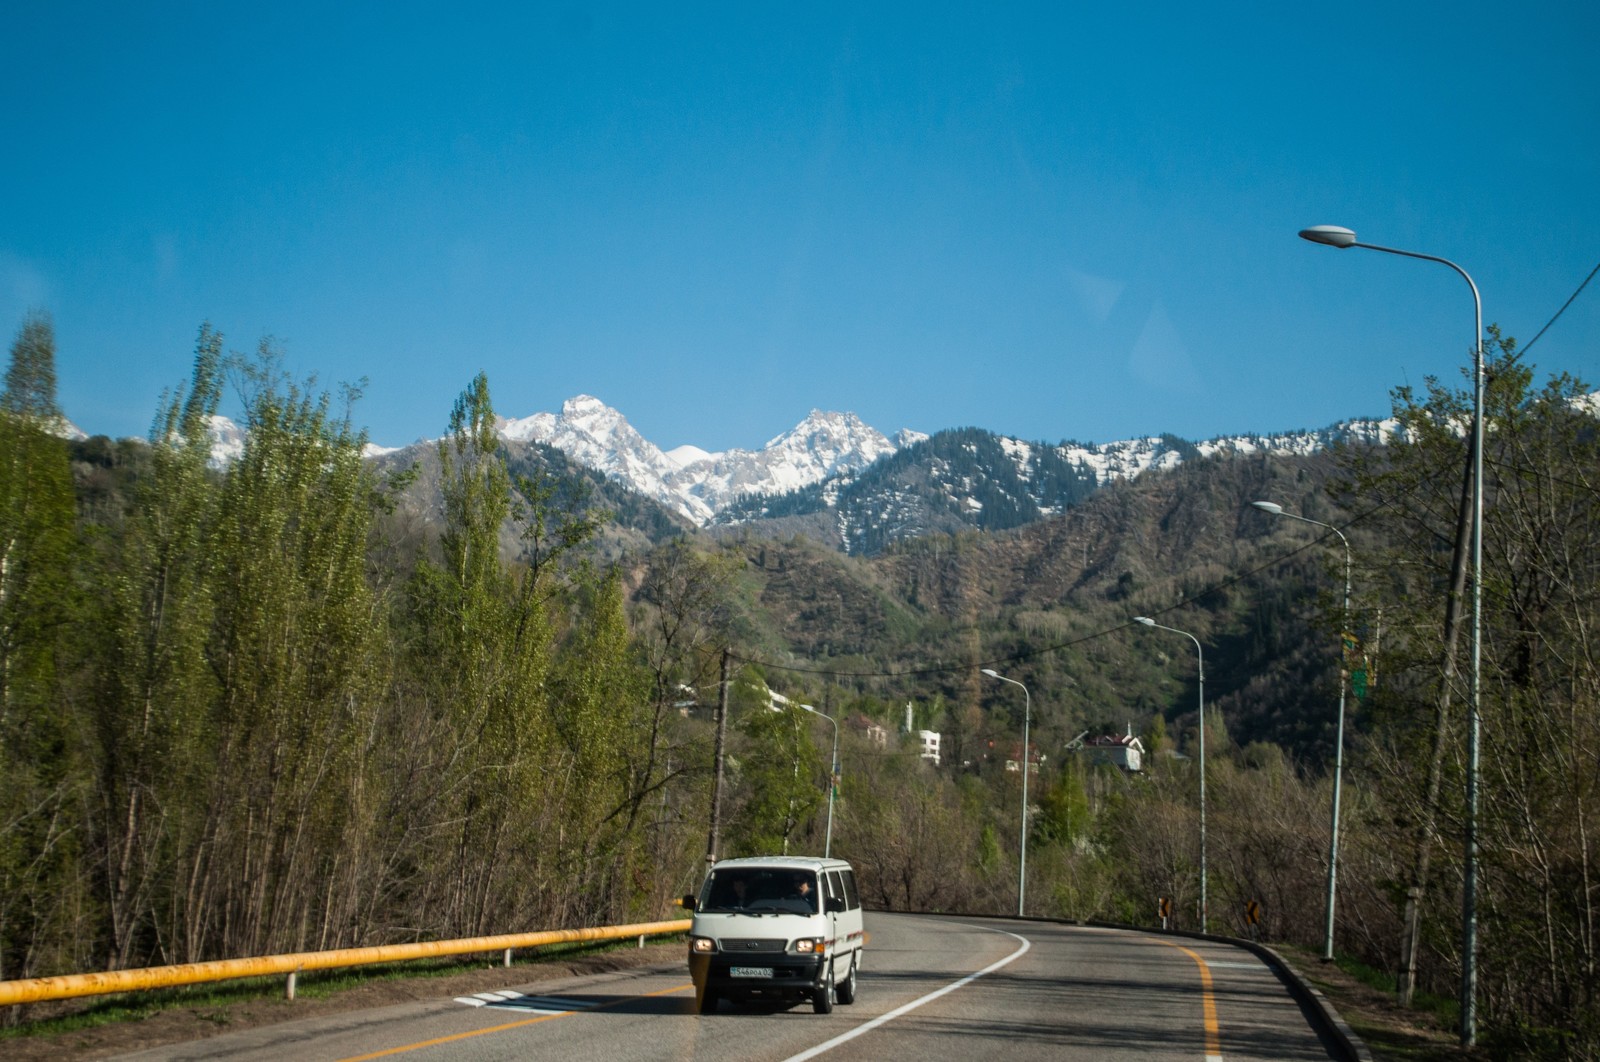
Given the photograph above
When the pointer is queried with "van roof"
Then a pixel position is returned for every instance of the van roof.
(784, 863)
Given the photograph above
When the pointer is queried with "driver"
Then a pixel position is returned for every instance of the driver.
(800, 889)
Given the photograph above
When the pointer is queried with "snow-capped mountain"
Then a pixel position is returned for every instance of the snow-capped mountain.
(866, 488)
(969, 478)
(1129, 458)
(227, 440)
(700, 484)
(878, 489)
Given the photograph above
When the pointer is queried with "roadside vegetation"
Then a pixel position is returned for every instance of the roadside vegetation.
(296, 702)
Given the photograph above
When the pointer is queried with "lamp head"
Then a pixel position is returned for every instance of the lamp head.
(1332, 235)
(991, 672)
(1269, 507)
(1146, 620)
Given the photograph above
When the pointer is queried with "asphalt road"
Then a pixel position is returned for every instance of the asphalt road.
(931, 989)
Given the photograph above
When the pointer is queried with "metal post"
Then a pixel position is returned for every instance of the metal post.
(1338, 754)
(1200, 657)
(1027, 715)
(833, 776)
(1336, 236)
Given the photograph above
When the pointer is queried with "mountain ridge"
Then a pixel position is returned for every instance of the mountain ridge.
(831, 451)
(844, 482)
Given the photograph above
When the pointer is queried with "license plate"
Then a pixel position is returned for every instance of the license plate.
(750, 971)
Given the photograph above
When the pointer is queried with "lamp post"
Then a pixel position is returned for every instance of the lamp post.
(1338, 754)
(833, 777)
(1027, 714)
(1200, 658)
(1336, 236)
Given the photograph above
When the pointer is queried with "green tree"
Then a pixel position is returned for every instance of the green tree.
(780, 767)
(292, 644)
(484, 645)
(38, 844)
(596, 689)
(152, 738)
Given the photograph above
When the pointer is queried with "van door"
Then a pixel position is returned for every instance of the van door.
(842, 922)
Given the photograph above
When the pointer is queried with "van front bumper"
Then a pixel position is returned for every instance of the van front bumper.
(765, 975)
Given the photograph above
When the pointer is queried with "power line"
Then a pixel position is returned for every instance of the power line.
(1529, 344)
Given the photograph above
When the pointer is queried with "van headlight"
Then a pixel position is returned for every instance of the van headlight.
(809, 946)
(702, 945)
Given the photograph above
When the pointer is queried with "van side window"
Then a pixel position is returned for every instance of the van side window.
(851, 899)
(836, 887)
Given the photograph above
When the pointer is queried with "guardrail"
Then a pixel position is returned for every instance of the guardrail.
(70, 986)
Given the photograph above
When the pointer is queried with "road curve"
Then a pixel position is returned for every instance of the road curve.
(932, 988)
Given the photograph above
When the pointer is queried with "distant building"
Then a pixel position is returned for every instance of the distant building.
(1035, 757)
(928, 740)
(875, 734)
(1126, 751)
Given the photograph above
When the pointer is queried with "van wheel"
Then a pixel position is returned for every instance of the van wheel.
(708, 1002)
(847, 988)
(822, 995)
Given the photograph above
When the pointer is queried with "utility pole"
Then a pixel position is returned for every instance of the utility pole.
(716, 774)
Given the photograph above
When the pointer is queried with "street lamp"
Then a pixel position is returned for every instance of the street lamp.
(833, 777)
(1027, 714)
(1336, 236)
(1200, 657)
(1338, 755)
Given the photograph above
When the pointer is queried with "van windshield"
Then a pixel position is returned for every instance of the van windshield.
(760, 890)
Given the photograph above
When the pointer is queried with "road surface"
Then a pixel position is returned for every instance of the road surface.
(932, 989)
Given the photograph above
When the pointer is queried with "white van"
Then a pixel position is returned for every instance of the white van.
(783, 928)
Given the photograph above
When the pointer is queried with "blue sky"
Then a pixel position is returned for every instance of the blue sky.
(1053, 221)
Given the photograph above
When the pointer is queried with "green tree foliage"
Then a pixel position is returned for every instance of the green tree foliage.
(39, 875)
(151, 713)
(780, 769)
(484, 657)
(293, 647)
(602, 697)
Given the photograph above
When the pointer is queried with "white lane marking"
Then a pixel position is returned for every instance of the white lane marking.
(1253, 967)
(883, 1019)
(526, 1004)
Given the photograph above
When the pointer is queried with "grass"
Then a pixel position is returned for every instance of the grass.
(1365, 997)
(1446, 1010)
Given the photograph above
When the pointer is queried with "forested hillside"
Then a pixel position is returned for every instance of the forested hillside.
(305, 701)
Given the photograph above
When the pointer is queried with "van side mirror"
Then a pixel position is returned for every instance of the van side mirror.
(836, 905)
(687, 902)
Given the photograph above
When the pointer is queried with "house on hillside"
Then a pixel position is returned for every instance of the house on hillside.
(1126, 751)
(874, 734)
(927, 740)
(1014, 760)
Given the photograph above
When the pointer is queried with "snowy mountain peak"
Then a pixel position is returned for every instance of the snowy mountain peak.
(593, 434)
(690, 480)
(686, 455)
(832, 441)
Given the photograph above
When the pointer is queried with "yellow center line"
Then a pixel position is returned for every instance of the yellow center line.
(1209, 1004)
(502, 1028)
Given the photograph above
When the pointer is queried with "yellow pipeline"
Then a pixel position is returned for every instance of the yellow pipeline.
(68, 986)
